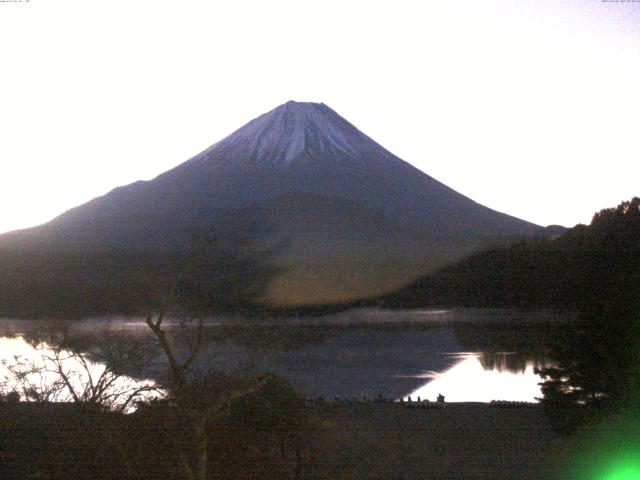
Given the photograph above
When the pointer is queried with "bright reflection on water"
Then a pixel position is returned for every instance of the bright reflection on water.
(353, 354)
(469, 381)
(42, 378)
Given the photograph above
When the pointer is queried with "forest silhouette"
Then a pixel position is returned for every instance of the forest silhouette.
(593, 270)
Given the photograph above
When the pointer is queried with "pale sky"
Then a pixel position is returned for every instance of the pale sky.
(529, 107)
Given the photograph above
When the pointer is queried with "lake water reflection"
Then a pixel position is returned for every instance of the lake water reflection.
(40, 373)
(466, 355)
(471, 381)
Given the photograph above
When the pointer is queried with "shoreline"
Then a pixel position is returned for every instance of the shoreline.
(459, 440)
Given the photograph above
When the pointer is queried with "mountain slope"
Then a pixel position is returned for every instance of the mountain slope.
(337, 250)
(354, 219)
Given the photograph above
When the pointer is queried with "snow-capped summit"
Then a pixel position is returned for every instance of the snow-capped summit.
(298, 130)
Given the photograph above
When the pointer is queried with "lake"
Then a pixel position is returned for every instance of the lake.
(463, 354)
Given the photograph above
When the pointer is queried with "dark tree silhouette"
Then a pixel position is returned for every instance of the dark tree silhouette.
(599, 359)
(593, 270)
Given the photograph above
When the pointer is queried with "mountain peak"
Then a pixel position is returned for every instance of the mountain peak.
(296, 130)
(292, 104)
(301, 114)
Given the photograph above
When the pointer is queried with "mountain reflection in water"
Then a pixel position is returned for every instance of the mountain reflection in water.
(470, 380)
(367, 353)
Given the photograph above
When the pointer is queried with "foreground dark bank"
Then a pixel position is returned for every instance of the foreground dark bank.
(261, 435)
(277, 438)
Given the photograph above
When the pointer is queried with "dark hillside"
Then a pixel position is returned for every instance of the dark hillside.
(562, 272)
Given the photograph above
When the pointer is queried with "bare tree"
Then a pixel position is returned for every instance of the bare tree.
(66, 372)
(61, 373)
(198, 396)
(196, 401)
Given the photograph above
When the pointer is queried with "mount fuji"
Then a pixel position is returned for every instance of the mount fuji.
(351, 219)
